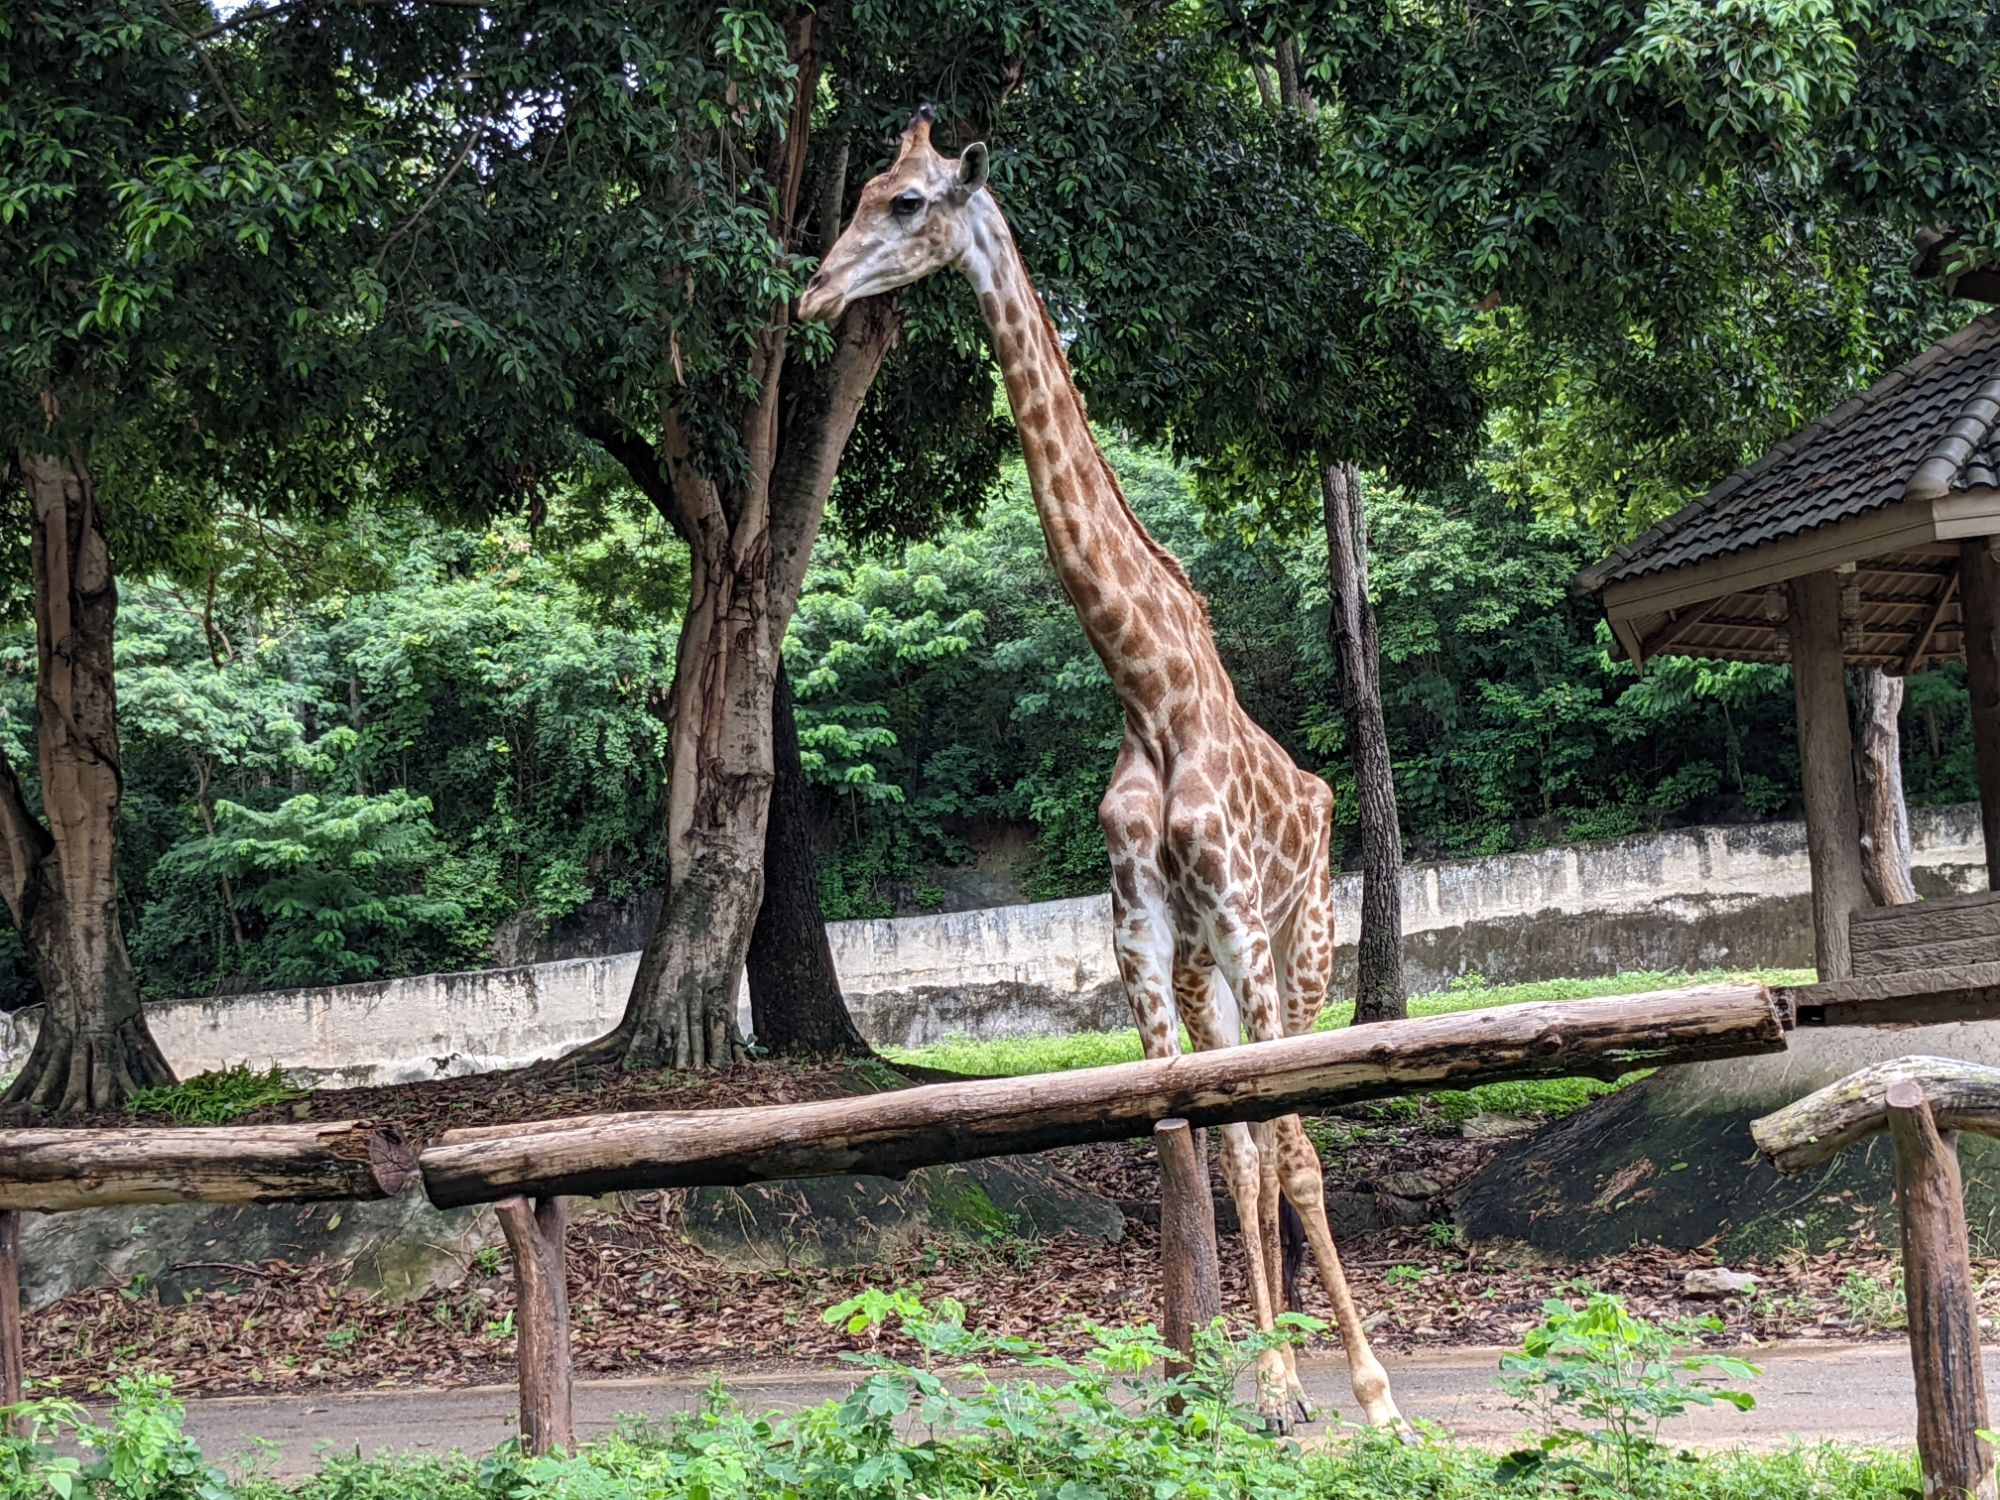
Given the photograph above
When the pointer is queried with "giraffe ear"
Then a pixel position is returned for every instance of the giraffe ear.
(973, 163)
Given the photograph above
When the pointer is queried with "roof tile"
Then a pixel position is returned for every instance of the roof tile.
(1927, 429)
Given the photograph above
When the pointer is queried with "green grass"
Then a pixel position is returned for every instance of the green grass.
(1547, 1098)
(215, 1098)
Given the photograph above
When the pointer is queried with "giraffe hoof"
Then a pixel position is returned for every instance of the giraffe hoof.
(1302, 1408)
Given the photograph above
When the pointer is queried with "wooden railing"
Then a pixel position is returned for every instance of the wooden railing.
(1922, 1103)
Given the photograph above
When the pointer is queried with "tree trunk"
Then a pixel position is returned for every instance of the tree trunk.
(1379, 992)
(681, 1012)
(894, 1133)
(60, 881)
(1878, 781)
(749, 535)
(796, 1008)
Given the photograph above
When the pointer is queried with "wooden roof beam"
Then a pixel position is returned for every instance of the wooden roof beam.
(1931, 622)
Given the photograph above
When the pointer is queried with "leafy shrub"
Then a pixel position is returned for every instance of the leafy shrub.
(215, 1098)
(142, 1454)
(1599, 1381)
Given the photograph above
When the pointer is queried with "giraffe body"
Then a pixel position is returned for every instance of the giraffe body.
(1219, 844)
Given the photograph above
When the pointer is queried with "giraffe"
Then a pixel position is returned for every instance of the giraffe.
(1221, 883)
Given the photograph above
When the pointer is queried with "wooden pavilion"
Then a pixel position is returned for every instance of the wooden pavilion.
(1868, 538)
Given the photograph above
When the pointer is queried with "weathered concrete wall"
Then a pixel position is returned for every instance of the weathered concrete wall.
(1692, 898)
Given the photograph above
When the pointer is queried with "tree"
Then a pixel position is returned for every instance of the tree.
(1379, 992)
(166, 296)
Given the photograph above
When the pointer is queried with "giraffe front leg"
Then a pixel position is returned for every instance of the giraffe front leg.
(1243, 1173)
(1305, 1185)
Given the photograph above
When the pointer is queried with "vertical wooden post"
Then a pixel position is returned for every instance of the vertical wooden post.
(13, 1371)
(1943, 1313)
(535, 1233)
(1979, 602)
(1826, 763)
(1190, 1278)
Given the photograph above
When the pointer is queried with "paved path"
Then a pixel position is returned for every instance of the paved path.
(1854, 1393)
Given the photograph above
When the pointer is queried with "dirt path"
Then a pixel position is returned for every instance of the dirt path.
(1853, 1393)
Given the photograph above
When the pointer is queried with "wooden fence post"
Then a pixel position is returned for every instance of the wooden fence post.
(535, 1230)
(1943, 1315)
(12, 1366)
(1190, 1279)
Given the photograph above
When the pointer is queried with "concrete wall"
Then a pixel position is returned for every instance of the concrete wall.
(1689, 899)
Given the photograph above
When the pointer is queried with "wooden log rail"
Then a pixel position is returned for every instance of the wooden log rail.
(53, 1171)
(892, 1134)
(1922, 1102)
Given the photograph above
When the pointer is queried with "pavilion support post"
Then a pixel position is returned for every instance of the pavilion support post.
(535, 1229)
(1826, 763)
(1979, 601)
(1190, 1276)
(13, 1371)
(1943, 1308)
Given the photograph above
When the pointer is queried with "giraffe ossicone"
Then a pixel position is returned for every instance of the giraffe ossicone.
(1222, 894)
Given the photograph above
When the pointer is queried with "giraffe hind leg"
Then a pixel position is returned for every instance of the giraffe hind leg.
(1305, 1185)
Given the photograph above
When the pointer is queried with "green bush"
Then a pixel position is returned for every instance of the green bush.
(142, 1454)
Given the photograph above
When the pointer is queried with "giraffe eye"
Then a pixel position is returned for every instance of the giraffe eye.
(906, 203)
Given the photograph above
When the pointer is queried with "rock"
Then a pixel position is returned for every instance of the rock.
(1412, 1185)
(1491, 1127)
(1717, 1281)
(399, 1247)
(847, 1221)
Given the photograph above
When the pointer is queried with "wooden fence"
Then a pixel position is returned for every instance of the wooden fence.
(1922, 1102)
(526, 1170)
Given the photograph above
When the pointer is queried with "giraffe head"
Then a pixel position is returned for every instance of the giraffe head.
(912, 220)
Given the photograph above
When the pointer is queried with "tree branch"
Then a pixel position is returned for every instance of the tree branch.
(816, 432)
(473, 137)
(642, 461)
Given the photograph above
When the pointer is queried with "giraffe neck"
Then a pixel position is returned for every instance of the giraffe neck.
(1138, 610)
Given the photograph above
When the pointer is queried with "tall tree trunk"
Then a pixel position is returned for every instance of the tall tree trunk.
(681, 1012)
(748, 552)
(1885, 817)
(1379, 992)
(796, 1007)
(60, 880)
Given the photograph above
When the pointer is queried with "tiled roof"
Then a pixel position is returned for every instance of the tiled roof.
(1925, 430)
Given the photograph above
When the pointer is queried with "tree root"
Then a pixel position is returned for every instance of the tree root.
(72, 1073)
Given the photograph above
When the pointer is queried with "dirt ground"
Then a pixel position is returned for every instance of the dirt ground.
(645, 1301)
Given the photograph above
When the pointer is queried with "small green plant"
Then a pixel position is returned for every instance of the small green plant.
(143, 1454)
(1878, 1306)
(216, 1098)
(1598, 1382)
(487, 1261)
(340, 1340)
(1441, 1234)
(1405, 1275)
